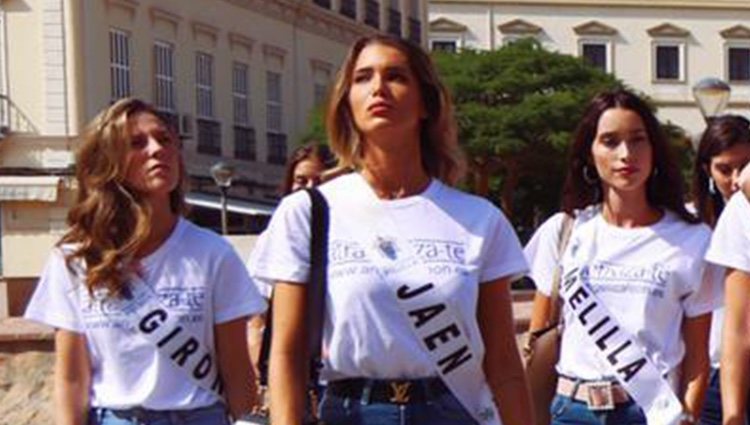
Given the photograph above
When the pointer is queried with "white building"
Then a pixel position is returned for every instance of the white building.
(659, 47)
(238, 78)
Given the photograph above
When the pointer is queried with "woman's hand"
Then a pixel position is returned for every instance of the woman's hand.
(72, 378)
(735, 350)
(502, 363)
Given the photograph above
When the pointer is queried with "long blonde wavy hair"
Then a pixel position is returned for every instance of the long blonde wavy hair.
(441, 156)
(110, 222)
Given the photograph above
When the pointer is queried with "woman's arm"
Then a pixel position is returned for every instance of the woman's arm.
(234, 366)
(540, 312)
(735, 350)
(695, 365)
(72, 378)
(255, 328)
(288, 364)
(502, 363)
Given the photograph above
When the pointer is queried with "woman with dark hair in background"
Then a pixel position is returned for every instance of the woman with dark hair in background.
(723, 151)
(418, 324)
(148, 308)
(306, 167)
(637, 292)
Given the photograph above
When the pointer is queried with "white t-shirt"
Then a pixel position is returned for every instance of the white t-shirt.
(195, 273)
(454, 233)
(649, 278)
(730, 247)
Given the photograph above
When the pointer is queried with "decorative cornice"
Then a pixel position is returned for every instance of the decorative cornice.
(205, 29)
(309, 17)
(129, 6)
(668, 30)
(609, 4)
(317, 64)
(159, 14)
(271, 50)
(447, 25)
(594, 28)
(737, 32)
(519, 26)
(240, 41)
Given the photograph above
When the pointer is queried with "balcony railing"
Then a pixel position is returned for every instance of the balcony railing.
(415, 31)
(348, 8)
(209, 136)
(372, 13)
(12, 118)
(276, 148)
(244, 143)
(394, 22)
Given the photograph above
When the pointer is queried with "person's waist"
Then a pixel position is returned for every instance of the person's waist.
(595, 393)
(144, 414)
(396, 391)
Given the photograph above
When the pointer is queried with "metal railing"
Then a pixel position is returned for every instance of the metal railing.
(13, 119)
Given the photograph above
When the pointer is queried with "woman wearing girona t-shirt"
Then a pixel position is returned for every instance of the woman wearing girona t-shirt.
(418, 325)
(722, 153)
(637, 293)
(148, 308)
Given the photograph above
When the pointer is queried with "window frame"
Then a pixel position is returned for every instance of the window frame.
(681, 58)
(205, 88)
(120, 68)
(735, 44)
(166, 79)
(609, 67)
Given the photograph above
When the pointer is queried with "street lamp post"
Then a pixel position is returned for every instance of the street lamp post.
(712, 96)
(223, 174)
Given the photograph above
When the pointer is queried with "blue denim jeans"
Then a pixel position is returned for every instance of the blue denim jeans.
(566, 411)
(711, 414)
(212, 415)
(442, 410)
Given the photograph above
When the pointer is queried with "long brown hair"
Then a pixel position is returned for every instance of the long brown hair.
(441, 155)
(723, 133)
(110, 222)
(664, 187)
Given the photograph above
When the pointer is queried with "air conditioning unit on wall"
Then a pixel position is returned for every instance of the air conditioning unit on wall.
(186, 126)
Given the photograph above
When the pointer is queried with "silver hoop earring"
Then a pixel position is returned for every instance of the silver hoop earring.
(591, 181)
(711, 186)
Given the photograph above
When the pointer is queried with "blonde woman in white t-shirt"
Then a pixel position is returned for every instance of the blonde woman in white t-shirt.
(415, 267)
(636, 322)
(148, 308)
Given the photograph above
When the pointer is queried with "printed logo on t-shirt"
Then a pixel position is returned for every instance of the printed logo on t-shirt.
(101, 313)
(627, 279)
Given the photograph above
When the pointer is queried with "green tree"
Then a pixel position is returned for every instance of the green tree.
(517, 108)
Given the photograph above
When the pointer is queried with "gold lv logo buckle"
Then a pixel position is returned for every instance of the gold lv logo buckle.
(400, 392)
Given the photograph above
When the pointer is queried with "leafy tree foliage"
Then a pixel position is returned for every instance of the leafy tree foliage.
(517, 108)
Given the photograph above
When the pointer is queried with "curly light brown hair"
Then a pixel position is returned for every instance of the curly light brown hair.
(110, 222)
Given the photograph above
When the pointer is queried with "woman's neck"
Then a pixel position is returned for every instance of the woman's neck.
(629, 209)
(163, 222)
(396, 172)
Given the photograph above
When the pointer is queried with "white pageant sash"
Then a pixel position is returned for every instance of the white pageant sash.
(161, 327)
(424, 307)
(620, 351)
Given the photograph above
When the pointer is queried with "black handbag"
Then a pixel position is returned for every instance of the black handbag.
(316, 308)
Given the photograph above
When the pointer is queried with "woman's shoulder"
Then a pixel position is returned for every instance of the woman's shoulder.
(465, 201)
(193, 236)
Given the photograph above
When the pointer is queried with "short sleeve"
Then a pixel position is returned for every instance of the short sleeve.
(542, 253)
(55, 301)
(284, 251)
(264, 288)
(730, 244)
(503, 256)
(708, 294)
(234, 293)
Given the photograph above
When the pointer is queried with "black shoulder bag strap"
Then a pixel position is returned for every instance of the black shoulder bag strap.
(316, 290)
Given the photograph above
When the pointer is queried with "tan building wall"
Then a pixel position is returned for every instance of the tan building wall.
(56, 62)
(629, 29)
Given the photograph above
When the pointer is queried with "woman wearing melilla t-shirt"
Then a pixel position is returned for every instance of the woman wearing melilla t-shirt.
(127, 239)
(723, 151)
(391, 120)
(643, 253)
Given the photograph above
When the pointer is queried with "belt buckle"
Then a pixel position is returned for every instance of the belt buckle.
(400, 392)
(599, 396)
